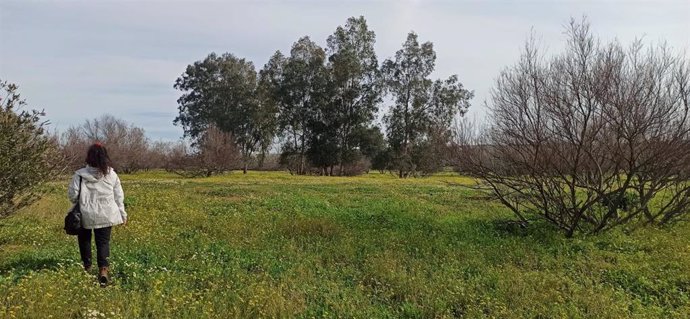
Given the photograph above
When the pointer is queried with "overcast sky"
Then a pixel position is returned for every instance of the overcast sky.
(80, 59)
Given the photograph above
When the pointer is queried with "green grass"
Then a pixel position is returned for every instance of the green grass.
(275, 245)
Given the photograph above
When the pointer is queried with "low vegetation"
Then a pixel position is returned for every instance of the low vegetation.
(276, 245)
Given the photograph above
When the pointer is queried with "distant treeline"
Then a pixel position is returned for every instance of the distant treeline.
(131, 150)
(320, 104)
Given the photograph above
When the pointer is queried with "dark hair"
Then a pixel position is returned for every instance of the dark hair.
(97, 157)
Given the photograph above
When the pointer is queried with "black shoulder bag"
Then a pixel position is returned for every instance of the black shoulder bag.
(73, 218)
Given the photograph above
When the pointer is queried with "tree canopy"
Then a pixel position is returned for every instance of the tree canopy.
(224, 91)
(423, 109)
(320, 104)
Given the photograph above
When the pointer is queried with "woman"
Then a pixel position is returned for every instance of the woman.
(102, 207)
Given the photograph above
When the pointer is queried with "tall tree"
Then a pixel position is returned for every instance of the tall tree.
(423, 109)
(299, 91)
(223, 91)
(268, 115)
(322, 150)
(354, 83)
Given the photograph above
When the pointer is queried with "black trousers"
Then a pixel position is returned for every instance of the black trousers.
(102, 236)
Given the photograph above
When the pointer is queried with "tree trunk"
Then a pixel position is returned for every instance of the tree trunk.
(302, 164)
(300, 169)
(570, 232)
(261, 159)
(244, 169)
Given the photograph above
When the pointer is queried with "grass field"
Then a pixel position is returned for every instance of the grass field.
(275, 245)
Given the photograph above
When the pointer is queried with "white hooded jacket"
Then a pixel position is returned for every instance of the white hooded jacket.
(101, 200)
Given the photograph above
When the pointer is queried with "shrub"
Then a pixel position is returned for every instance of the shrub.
(215, 153)
(27, 155)
(358, 167)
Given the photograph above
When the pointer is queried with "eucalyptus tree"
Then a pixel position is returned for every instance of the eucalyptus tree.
(298, 88)
(223, 91)
(354, 84)
(268, 90)
(423, 109)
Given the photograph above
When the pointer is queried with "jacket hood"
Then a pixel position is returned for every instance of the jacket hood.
(90, 174)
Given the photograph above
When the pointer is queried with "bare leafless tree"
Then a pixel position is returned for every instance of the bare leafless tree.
(73, 146)
(216, 153)
(157, 154)
(127, 144)
(595, 137)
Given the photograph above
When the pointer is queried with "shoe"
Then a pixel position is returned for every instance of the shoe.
(87, 268)
(103, 276)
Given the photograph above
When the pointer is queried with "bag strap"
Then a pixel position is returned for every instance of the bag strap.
(79, 193)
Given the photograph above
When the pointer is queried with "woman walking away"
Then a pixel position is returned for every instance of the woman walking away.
(102, 207)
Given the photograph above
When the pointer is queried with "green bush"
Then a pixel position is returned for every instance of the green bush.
(27, 154)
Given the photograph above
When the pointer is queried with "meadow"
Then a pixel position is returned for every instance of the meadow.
(268, 244)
